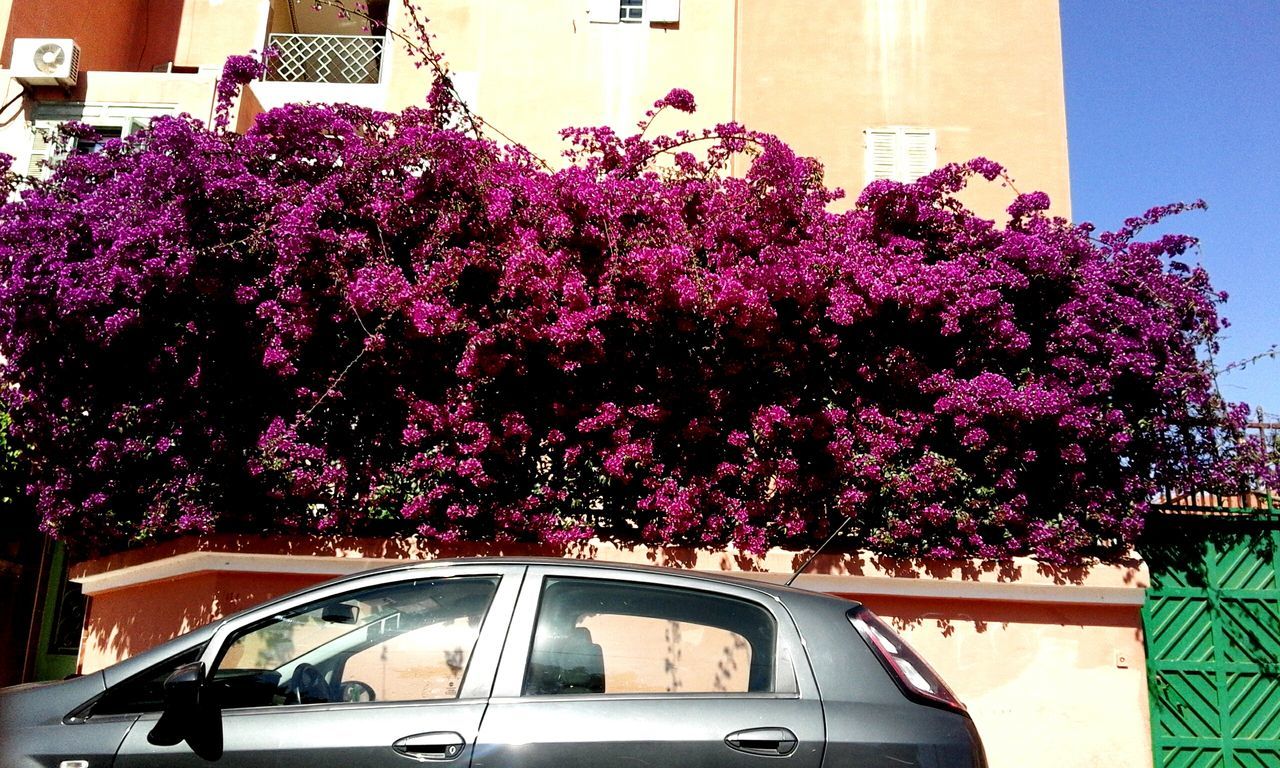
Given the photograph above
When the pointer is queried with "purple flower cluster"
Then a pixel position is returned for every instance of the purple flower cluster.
(237, 72)
(678, 99)
(352, 321)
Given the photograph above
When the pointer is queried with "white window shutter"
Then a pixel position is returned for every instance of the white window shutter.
(662, 11)
(882, 154)
(44, 152)
(603, 11)
(920, 153)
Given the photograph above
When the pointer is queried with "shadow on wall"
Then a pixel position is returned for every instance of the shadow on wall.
(123, 623)
(1004, 572)
(981, 645)
(979, 616)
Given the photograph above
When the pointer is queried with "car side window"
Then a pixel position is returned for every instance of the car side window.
(614, 637)
(405, 641)
(144, 692)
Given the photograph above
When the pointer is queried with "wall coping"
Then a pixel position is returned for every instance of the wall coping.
(1018, 580)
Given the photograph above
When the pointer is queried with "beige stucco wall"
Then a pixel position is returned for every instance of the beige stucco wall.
(550, 67)
(212, 30)
(985, 74)
(1064, 683)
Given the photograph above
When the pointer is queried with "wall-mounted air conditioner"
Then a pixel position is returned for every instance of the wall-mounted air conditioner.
(45, 61)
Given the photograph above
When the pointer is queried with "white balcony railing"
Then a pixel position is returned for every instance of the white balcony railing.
(325, 58)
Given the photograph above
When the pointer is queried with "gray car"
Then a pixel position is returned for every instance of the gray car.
(510, 663)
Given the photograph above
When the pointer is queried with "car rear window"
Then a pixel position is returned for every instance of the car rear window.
(614, 637)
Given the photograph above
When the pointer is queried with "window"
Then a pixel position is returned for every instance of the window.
(400, 642)
(144, 692)
(630, 11)
(89, 146)
(900, 153)
(665, 12)
(613, 637)
(111, 121)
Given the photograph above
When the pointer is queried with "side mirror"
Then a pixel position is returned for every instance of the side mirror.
(340, 613)
(189, 714)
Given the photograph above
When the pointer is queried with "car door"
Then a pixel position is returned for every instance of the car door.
(367, 672)
(623, 667)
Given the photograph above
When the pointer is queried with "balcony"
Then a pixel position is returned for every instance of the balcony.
(325, 58)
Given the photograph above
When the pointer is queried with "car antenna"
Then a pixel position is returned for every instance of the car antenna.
(848, 519)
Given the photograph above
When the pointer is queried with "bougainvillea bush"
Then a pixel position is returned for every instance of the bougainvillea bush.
(350, 321)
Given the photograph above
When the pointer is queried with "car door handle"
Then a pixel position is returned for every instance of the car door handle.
(762, 741)
(437, 745)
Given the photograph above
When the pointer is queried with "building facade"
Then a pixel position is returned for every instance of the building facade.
(872, 88)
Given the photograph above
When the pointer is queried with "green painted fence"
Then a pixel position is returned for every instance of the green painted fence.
(1212, 625)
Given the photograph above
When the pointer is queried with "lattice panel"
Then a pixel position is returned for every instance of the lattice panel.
(325, 58)
(1242, 567)
(1188, 704)
(1250, 629)
(1213, 651)
(1256, 758)
(1182, 756)
(1179, 629)
(1253, 707)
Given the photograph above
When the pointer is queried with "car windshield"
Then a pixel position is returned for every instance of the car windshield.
(317, 632)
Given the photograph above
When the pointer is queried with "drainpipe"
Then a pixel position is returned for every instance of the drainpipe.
(33, 629)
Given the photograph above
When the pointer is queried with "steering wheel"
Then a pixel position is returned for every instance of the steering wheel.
(307, 686)
(355, 690)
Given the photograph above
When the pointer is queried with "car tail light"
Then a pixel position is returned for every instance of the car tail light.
(913, 674)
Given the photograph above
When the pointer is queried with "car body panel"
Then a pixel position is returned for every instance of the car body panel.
(33, 732)
(828, 691)
(314, 735)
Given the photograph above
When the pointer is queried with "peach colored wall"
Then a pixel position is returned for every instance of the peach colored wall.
(1039, 679)
(545, 66)
(188, 93)
(985, 74)
(111, 35)
(212, 30)
(106, 32)
(136, 35)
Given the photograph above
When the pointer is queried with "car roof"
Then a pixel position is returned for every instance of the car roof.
(779, 591)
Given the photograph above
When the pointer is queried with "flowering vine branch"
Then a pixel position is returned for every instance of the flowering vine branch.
(641, 351)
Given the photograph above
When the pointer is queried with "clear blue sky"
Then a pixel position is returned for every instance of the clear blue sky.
(1179, 100)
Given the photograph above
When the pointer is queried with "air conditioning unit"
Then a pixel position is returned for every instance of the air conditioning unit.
(45, 61)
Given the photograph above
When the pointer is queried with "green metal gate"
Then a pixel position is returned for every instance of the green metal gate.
(1212, 626)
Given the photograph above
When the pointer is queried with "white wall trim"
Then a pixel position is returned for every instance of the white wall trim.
(189, 563)
(961, 589)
